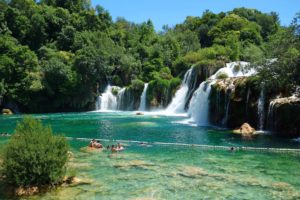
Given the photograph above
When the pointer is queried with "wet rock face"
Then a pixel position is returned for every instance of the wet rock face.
(284, 116)
(233, 101)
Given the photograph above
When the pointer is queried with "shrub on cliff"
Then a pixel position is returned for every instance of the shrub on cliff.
(34, 156)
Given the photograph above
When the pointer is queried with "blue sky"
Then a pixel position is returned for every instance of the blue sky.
(172, 12)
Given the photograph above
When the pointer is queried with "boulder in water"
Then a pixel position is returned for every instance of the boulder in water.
(139, 113)
(6, 111)
(245, 130)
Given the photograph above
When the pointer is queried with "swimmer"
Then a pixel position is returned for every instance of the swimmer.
(107, 147)
(113, 149)
(98, 145)
(92, 142)
(120, 147)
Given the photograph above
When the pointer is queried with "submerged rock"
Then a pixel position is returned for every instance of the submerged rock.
(245, 130)
(191, 172)
(133, 163)
(74, 181)
(91, 149)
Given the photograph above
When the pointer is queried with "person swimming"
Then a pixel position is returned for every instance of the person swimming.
(95, 144)
(113, 149)
(120, 147)
(98, 145)
(91, 144)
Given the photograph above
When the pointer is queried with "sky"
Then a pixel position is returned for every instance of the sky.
(172, 12)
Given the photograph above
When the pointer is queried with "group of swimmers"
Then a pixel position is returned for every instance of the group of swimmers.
(97, 145)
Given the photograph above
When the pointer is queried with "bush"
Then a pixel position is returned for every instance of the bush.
(222, 75)
(237, 68)
(137, 85)
(35, 157)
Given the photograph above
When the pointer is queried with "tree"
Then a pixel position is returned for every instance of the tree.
(20, 70)
(34, 156)
(71, 5)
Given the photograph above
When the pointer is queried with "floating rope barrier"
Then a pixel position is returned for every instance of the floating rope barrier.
(202, 146)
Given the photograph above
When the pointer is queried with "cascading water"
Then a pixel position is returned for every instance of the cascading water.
(199, 105)
(178, 102)
(261, 110)
(227, 104)
(271, 116)
(247, 101)
(107, 101)
(98, 103)
(143, 98)
(121, 98)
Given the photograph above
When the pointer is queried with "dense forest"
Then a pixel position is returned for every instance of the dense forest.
(58, 55)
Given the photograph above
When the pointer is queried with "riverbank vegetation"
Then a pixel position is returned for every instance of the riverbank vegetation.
(58, 55)
(34, 158)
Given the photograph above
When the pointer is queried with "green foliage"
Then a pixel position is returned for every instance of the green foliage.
(56, 54)
(115, 91)
(222, 76)
(252, 54)
(137, 84)
(34, 157)
(283, 72)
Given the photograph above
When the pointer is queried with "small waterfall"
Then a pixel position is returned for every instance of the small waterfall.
(271, 116)
(261, 109)
(247, 102)
(107, 100)
(98, 103)
(227, 106)
(120, 99)
(199, 105)
(179, 100)
(143, 98)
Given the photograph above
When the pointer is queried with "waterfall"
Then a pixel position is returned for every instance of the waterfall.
(261, 110)
(247, 101)
(271, 116)
(199, 105)
(179, 100)
(98, 103)
(227, 106)
(143, 98)
(229, 91)
(121, 99)
(107, 100)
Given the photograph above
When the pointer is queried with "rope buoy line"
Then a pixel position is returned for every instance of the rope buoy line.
(202, 146)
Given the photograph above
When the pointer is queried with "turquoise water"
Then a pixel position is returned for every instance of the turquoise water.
(168, 172)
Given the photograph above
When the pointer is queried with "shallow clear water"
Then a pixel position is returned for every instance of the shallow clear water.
(168, 172)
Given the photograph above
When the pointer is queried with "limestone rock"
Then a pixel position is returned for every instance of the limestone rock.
(245, 130)
(191, 172)
(284, 116)
(6, 111)
(21, 191)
